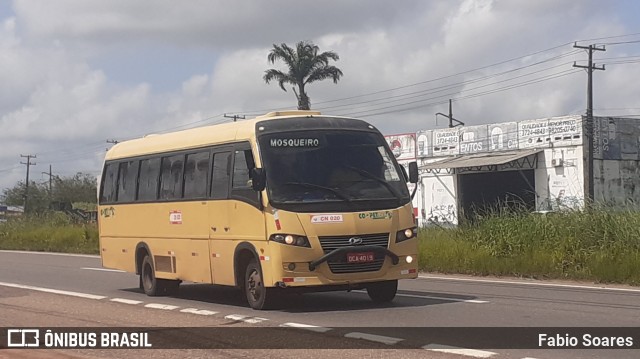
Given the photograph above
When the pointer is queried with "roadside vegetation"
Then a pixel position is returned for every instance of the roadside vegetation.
(597, 245)
(51, 232)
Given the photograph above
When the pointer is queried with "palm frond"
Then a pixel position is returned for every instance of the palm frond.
(326, 72)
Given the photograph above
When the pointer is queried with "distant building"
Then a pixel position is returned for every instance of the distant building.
(10, 211)
(538, 164)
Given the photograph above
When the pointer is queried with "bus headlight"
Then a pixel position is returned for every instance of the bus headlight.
(291, 239)
(405, 234)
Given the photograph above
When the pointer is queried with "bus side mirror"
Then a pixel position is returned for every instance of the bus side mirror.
(258, 179)
(413, 172)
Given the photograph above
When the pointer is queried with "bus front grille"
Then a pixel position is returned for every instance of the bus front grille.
(330, 243)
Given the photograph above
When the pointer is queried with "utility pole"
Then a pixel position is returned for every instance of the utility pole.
(234, 117)
(51, 177)
(113, 142)
(589, 125)
(450, 117)
(26, 187)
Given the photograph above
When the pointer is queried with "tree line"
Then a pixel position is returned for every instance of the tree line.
(63, 193)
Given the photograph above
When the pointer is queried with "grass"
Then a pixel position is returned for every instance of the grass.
(597, 245)
(49, 233)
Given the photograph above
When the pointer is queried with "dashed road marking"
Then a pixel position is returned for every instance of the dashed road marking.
(198, 311)
(460, 351)
(104, 269)
(373, 338)
(54, 291)
(539, 284)
(313, 328)
(126, 301)
(244, 318)
(448, 299)
(52, 254)
(161, 306)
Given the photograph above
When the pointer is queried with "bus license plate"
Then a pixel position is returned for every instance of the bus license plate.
(360, 257)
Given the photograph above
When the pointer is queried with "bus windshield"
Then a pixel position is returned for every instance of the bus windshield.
(331, 170)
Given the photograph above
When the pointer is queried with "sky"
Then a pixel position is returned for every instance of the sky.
(75, 74)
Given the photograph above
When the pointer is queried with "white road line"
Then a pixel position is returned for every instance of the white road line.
(161, 306)
(313, 328)
(198, 311)
(460, 351)
(475, 301)
(104, 269)
(244, 318)
(539, 284)
(373, 338)
(53, 254)
(54, 291)
(126, 301)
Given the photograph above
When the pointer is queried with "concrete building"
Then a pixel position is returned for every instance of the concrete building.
(538, 164)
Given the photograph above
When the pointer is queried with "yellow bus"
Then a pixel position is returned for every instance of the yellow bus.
(286, 202)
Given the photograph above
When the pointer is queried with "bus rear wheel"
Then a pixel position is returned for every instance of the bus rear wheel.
(153, 286)
(258, 296)
(382, 292)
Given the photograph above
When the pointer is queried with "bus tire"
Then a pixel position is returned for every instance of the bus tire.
(148, 281)
(258, 296)
(382, 292)
(153, 286)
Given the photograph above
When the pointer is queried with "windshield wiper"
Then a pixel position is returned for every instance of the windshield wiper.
(386, 184)
(329, 189)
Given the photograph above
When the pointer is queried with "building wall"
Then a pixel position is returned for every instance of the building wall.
(617, 161)
(560, 178)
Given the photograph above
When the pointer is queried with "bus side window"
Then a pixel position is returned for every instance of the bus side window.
(220, 175)
(109, 184)
(241, 188)
(171, 177)
(127, 181)
(196, 174)
(148, 179)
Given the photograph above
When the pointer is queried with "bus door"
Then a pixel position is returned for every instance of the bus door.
(219, 230)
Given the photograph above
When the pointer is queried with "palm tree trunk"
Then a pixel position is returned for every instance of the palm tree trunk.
(303, 99)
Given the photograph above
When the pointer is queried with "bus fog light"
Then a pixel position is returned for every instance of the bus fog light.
(291, 266)
(408, 233)
(409, 259)
(289, 239)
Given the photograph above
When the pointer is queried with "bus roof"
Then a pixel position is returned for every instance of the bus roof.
(198, 137)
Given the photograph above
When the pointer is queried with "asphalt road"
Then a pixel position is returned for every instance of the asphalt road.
(40, 289)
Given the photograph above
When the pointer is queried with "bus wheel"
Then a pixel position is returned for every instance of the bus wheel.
(258, 296)
(382, 292)
(148, 281)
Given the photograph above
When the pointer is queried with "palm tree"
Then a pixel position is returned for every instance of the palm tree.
(305, 65)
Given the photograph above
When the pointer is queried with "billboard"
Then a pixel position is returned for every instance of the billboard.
(565, 131)
(474, 139)
(445, 141)
(616, 138)
(403, 146)
(533, 133)
(503, 136)
(425, 147)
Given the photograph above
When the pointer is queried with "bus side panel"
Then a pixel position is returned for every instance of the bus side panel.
(175, 233)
